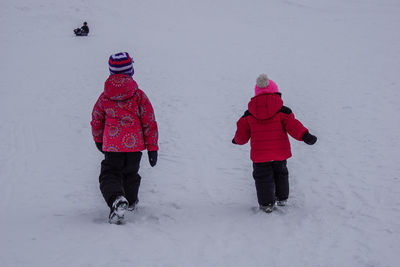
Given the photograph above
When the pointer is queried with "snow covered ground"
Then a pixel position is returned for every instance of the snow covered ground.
(337, 64)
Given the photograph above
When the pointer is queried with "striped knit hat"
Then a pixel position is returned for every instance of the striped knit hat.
(121, 63)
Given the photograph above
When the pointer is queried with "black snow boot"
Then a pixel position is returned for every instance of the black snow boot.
(117, 210)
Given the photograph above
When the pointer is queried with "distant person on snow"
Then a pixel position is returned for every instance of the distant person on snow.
(123, 125)
(82, 31)
(267, 123)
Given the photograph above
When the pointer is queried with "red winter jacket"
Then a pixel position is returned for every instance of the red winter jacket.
(123, 117)
(267, 124)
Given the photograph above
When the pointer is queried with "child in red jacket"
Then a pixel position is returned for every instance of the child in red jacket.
(267, 123)
(123, 124)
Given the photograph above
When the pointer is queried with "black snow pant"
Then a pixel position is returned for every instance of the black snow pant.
(272, 181)
(119, 176)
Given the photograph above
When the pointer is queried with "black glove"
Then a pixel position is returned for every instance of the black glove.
(152, 157)
(100, 147)
(233, 141)
(309, 139)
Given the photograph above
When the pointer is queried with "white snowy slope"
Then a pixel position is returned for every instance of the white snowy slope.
(337, 64)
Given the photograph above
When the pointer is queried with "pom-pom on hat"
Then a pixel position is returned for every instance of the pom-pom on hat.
(121, 63)
(265, 85)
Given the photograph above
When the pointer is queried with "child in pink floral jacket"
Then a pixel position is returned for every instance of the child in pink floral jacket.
(123, 125)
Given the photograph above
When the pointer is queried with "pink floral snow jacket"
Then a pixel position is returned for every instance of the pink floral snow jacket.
(123, 117)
